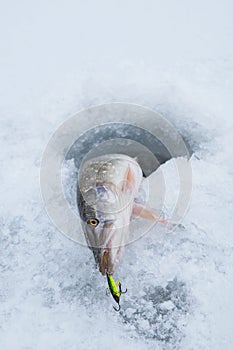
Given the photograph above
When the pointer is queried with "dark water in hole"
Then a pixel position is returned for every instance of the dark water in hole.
(123, 138)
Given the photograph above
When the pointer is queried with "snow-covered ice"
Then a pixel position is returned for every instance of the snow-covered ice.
(57, 58)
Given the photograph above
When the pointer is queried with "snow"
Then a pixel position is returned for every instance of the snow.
(57, 58)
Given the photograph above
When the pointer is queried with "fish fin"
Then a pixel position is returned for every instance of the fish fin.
(129, 180)
(146, 213)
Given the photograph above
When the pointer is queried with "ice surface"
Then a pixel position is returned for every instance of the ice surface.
(59, 57)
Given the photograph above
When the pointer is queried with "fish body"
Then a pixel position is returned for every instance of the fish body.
(107, 188)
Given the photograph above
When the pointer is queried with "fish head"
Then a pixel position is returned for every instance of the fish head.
(105, 222)
(107, 186)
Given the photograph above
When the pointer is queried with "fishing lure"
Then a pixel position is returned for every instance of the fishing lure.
(116, 293)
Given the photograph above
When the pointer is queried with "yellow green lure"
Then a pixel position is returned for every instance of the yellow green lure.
(116, 293)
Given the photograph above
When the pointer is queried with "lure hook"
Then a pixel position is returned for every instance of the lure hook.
(116, 308)
(121, 292)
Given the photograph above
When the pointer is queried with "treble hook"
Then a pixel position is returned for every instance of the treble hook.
(116, 308)
(121, 292)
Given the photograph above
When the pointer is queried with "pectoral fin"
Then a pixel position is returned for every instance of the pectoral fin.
(129, 180)
(146, 213)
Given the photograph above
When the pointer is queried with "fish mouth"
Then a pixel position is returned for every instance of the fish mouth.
(104, 262)
(109, 259)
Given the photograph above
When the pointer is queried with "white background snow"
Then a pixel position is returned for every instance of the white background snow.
(57, 57)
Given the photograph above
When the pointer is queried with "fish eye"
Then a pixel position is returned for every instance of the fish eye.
(93, 222)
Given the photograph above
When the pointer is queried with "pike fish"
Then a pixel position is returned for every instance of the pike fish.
(107, 188)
